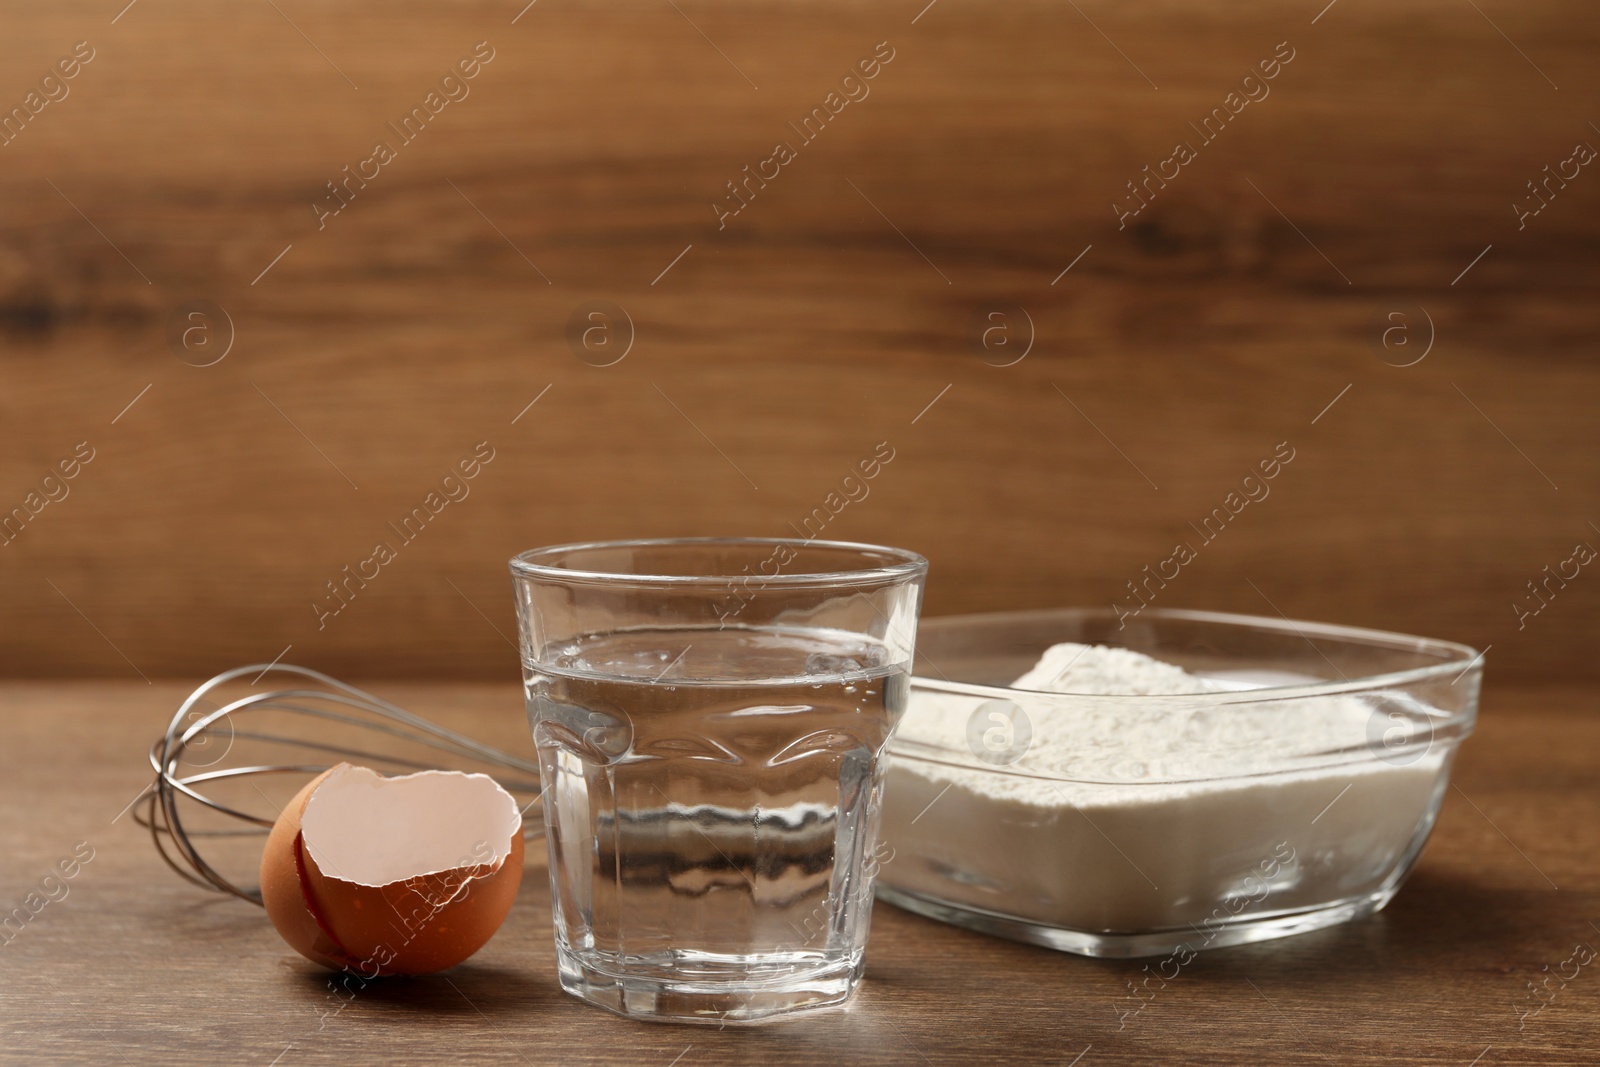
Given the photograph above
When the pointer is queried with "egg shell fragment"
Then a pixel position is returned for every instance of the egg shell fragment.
(404, 875)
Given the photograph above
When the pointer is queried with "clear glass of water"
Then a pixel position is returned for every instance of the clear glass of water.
(711, 717)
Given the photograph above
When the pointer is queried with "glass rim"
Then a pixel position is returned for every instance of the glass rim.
(892, 564)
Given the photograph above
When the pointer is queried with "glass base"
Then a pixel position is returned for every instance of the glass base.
(1121, 946)
(672, 994)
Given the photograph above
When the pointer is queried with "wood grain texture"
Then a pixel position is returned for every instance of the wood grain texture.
(824, 318)
(135, 966)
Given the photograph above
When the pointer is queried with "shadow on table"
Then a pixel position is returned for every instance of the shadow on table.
(1436, 916)
(466, 989)
(1437, 922)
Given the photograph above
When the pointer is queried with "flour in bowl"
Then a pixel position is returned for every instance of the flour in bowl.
(1130, 815)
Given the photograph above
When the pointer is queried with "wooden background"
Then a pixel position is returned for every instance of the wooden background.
(824, 319)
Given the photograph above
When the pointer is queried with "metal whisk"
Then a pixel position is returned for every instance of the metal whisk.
(330, 700)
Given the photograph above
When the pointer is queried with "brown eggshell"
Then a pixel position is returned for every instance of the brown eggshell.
(281, 890)
(421, 925)
(415, 926)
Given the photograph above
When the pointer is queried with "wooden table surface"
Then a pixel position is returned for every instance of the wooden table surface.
(135, 966)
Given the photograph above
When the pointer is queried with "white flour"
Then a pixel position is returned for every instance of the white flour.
(1169, 806)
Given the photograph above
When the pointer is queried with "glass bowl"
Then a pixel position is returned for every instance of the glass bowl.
(1297, 793)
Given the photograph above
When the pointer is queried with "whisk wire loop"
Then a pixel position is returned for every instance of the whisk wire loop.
(157, 809)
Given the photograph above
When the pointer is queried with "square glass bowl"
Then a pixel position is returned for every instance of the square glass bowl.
(1296, 794)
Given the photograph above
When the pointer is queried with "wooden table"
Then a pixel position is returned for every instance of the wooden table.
(135, 966)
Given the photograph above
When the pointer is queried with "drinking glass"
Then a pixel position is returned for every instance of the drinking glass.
(711, 716)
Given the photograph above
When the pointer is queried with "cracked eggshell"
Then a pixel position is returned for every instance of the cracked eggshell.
(405, 875)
